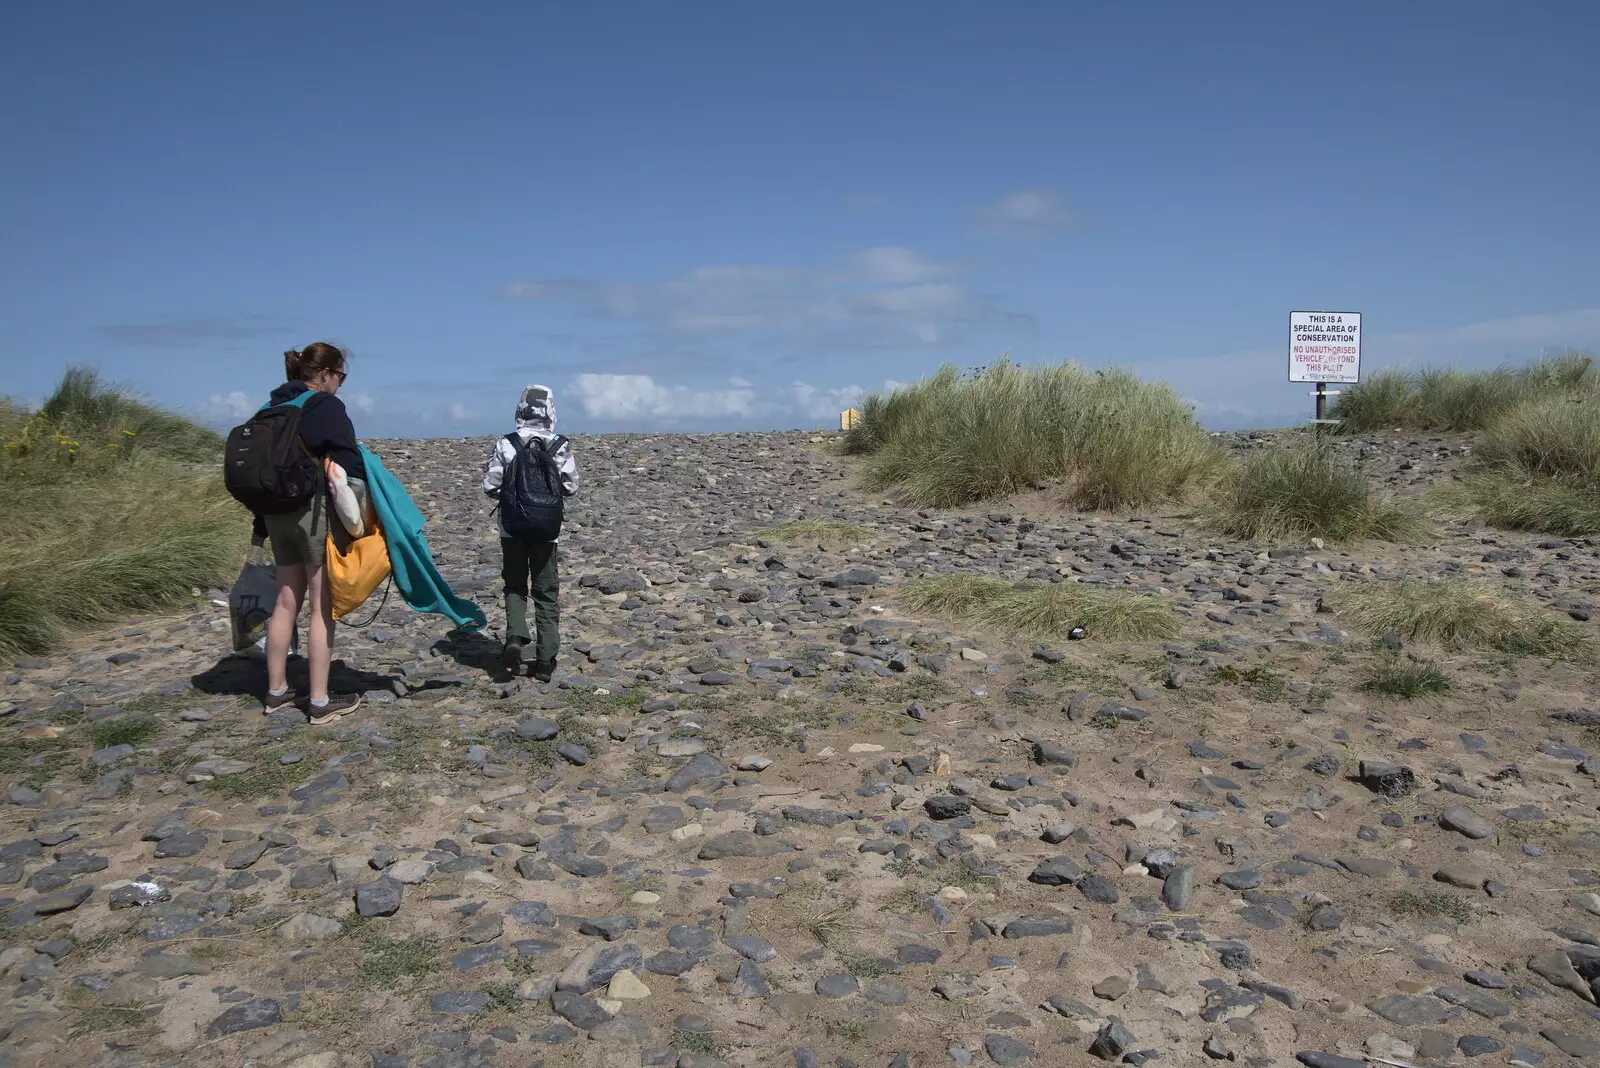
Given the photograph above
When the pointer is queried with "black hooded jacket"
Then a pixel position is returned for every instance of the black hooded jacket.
(326, 429)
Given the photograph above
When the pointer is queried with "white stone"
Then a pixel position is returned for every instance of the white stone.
(687, 831)
(1146, 820)
(645, 897)
(318, 1060)
(1382, 1045)
(952, 893)
(409, 872)
(611, 1005)
(865, 747)
(681, 747)
(974, 654)
(309, 927)
(626, 985)
(753, 763)
(1588, 902)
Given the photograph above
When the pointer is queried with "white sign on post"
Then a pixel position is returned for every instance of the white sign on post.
(1324, 346)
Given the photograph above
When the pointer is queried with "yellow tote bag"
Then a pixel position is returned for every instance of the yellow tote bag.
(353, 574)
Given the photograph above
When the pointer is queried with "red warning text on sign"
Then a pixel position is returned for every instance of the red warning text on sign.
(1324, 346)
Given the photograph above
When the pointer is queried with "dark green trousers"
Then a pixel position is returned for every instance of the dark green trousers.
(535, 560)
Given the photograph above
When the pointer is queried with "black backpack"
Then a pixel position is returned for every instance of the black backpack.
(265, 466)
(531, 504)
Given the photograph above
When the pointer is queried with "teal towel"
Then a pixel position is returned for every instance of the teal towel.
(418, 581)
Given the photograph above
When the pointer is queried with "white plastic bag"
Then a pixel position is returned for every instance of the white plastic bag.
(250, 603)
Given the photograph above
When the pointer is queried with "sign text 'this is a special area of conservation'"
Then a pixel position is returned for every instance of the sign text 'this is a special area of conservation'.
(1324, 346)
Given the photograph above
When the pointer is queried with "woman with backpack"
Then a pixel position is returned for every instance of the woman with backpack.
(280, 478)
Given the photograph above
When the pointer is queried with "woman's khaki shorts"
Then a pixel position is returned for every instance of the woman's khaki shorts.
(300, 537)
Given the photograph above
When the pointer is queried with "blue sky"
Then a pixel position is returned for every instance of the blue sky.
(719, 215)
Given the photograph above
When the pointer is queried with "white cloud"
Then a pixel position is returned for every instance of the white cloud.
(236, 406)
(739, 383)
(460, 412)
(1028, 211)
(361, 402)
(881, 296)
(823, 404)
(641, 399)
(617, 397)
(893, 265)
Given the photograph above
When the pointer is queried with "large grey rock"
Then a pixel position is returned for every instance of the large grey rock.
(1580, 1046)
(1113, 1040)
(701, 766)
(459, 1002)
(749, 982)
(1410, 1011)
(1177, 890)
(579, 1011)
(1006, 1051)
(594, 967)
(840, 985)
(1475, 1000)
(245, 1016)
(381, 898)
(1056, 871)
(1556, 966)
(1037, 926)
(1313, 1058)
(62, 900)
(946, 806)
(743, 844)
(751, 947)
(622, 1031)
(1463, 820)
(537, 728)
(1050, 754)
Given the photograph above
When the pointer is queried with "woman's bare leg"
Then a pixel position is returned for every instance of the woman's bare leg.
(321, 636)
(280, 627)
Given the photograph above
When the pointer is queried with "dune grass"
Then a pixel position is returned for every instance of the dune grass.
(1042, 610)
(828, 533)
(1405, 681)
(1106, 439)
(1302, 491)
(1538, 467)
(1453, 399)
(1462, 615)
(104, 514)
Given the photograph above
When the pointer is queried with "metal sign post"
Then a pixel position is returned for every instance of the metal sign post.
(1324, 347)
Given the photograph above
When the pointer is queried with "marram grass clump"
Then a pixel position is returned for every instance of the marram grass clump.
(1453, 399)
(1462, 615)
(1538, 468)
(105, 513)
(1103, 438)
(1295, 492)
(825, 533)
(1044, 611)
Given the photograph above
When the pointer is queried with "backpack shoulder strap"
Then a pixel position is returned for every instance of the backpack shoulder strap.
(556, 443)
(300, 400)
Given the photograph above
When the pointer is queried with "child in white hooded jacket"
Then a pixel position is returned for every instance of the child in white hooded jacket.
(524, 560)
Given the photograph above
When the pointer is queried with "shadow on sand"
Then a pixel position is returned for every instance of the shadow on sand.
(475, 651)
(247, 676)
